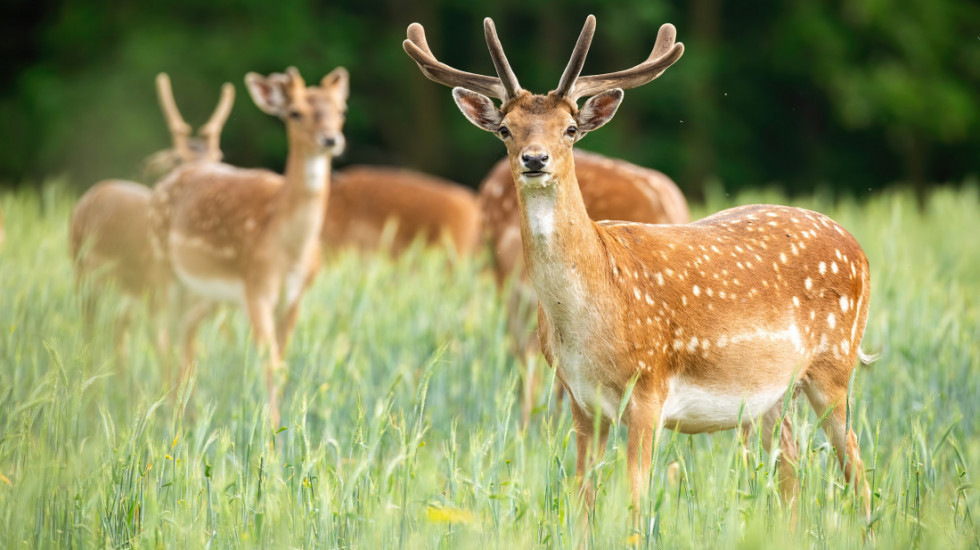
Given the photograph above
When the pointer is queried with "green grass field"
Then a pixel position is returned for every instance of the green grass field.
(401, 415)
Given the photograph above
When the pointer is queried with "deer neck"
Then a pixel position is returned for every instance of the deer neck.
(303, 196)
(307, 170)
(562, 249)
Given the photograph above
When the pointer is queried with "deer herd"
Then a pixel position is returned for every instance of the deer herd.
(649, 319)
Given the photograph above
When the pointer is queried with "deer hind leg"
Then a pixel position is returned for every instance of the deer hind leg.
(287, 321)
(161, 343)
(189, 324)
(123, 326)
(521, 308)
(261, 314)
(787, 460)
(285, 325)
(841, 434)
(589, 450)
(159, 313)
(644, 431)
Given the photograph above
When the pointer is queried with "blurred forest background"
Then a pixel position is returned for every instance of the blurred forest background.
(846, 95)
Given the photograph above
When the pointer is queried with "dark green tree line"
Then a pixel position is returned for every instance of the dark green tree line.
(846, 94)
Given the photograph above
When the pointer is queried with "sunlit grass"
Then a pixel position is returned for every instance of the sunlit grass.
(401, 415)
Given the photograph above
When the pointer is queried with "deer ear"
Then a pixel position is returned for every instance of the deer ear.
(478, 108)
(599, 110)
(268, 93)
(339, 80)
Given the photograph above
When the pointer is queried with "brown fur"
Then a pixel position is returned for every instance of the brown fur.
(109, 227)
(108, 235)
(630, 324)
(612, 189)
(364, 199)
(711, 318)
(109, 242)
(251, 235)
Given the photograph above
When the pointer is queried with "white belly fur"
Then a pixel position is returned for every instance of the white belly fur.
(215, 289)
(690, 408)
(294, 284)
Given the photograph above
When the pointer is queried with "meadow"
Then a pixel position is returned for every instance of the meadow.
(401, 414)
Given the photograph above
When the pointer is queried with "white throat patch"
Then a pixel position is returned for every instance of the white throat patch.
(316, 172)
(540, 208)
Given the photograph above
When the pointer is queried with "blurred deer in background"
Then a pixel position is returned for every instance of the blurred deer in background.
(699, 327)
(367, 201)
(186, 148)
(108, 231)
(611, 189)
(252, 237)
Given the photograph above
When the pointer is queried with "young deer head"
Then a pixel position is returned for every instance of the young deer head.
(313, 116)
(715, 321)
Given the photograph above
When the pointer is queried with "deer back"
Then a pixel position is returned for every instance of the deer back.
(365, 199)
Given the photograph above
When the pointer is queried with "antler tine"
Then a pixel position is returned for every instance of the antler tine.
(180, 131)
(416, 33)
(212, 129)
(665, 53)
(577, 61)
(418, 49)
(506, 74)
(666, 37)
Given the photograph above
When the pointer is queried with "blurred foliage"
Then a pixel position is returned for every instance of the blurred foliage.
(842, 94)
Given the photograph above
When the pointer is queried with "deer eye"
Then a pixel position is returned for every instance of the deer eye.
(571, 131)
(295, 115)
(503, 132)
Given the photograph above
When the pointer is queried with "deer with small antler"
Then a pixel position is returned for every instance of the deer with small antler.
(108, 230)
(712, 322)
(186, 147)
(251, 237)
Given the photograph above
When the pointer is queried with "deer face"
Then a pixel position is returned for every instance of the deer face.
(538, 130)
(313, 115)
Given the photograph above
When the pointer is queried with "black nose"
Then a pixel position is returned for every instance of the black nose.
(328, 141)
(534, 162)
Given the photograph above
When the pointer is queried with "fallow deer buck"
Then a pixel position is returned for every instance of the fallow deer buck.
(714, 320)
(251, 237)
(612, 189)
(108, 230)
(366, 200)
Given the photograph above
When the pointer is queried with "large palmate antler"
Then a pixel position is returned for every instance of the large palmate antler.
(665, 53)
(503, 87)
